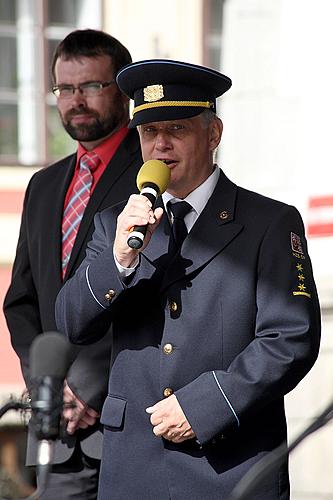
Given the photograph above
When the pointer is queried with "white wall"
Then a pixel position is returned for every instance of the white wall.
(277, 140)
(277, 115)
(158, 29)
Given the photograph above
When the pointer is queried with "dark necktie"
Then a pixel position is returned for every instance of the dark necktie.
(76, 206)
(179, 230)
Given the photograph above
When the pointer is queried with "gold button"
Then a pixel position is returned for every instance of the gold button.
(168, 348)
(167, 392)
(173, 306)
(110, 294)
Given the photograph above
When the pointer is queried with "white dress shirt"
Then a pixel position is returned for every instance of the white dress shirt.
(197, 198)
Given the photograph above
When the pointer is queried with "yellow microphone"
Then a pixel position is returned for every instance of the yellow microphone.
(152, 180)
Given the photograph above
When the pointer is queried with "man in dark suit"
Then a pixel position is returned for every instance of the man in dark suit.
(96, 114)
(211, 328)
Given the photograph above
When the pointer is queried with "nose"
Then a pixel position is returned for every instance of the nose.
(163, 142)
(78, 97)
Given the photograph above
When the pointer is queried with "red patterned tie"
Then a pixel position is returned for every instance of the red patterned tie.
(74, 211)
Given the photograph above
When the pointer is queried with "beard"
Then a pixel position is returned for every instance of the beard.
(97, 129)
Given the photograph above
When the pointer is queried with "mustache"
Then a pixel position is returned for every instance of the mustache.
(80, 111)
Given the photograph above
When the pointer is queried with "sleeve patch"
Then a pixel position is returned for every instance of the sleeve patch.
(296, 244)
(301, 286)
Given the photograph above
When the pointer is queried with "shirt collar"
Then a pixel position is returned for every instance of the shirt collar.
(199, 197)
(106, 149)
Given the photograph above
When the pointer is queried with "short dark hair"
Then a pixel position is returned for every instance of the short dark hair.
(91, 43)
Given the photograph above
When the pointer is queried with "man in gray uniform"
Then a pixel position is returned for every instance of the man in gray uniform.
(209, 333)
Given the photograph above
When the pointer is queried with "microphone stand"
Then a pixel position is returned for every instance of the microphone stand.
(14, 405)
(45, 450)
(45, 454)
(260, 470)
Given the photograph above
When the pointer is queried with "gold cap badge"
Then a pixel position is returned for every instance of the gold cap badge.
(153, 93)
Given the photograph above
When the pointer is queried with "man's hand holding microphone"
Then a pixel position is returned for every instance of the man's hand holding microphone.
(139, 219)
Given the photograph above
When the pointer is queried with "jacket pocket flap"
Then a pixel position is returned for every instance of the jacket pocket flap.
(113, 411)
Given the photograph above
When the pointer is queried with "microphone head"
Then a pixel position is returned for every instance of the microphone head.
(49, 355)
(154, 172)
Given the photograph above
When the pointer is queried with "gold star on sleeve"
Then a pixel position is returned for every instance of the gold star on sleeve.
(301, 277)
(301, 287)
(299, 267)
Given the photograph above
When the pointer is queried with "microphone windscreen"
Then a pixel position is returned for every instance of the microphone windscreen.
(49, 355)
(154, 172)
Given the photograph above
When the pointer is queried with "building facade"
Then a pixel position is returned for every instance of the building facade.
(276, 140)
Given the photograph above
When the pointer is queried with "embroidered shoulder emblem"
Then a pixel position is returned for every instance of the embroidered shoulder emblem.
(296, 244)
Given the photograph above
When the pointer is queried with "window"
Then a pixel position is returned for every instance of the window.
(8, 81)
(31, 132)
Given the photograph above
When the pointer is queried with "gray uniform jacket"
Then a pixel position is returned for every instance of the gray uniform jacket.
(239, 313)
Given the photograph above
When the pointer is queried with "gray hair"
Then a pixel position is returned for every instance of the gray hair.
(208, 116)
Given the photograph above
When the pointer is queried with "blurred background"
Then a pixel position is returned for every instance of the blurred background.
(277, 141)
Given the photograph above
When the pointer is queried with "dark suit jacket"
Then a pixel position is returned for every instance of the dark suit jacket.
(239, 307)
(36, 279)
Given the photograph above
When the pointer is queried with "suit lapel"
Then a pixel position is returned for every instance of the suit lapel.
(212, 232)
(54, 191)
(120, 162)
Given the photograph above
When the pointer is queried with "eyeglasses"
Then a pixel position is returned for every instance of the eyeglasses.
(88, 89)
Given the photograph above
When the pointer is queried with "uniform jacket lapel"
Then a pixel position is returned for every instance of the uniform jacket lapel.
(212, 232)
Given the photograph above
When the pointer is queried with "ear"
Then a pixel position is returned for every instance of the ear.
(125, 103)
(216, 129)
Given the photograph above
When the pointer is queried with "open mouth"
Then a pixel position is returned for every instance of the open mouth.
(168, 162)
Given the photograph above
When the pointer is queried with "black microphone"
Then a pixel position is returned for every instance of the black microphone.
(152, 180)
(49, 361)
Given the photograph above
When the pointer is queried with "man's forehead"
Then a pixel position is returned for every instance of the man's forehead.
(86, 67)
(82, 60)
